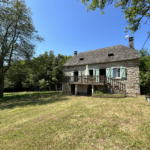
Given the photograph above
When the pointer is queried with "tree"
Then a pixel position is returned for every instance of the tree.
(42, 84)
(144, 66)
(37, 73)
(134, 10)
(18, 35)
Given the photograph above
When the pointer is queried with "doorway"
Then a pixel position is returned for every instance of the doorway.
(76, 76)
(91, 72)
(89, 90)
(102, 72)
(73, 89)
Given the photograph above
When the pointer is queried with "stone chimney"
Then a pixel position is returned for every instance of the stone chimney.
(75, 53)
(131, 42)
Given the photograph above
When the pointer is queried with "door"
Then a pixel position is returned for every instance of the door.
(76, 76)
(102, 75)
(73, 89)
(89, 90)
(102, 72)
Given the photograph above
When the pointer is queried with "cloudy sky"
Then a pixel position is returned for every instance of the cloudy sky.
(66, 27)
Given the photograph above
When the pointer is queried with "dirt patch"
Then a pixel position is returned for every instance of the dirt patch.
(16, 128)
(56, 118)
(102, 141)
(125, 124)
(91, 120)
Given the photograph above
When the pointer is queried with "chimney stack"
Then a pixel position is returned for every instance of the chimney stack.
(75, 53)
(131, 42)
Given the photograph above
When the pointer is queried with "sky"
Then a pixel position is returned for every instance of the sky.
(66, 27)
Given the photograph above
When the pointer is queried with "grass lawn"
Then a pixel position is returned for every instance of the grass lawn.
(64, 122)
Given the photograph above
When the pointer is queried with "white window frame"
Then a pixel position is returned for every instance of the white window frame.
(117, 72)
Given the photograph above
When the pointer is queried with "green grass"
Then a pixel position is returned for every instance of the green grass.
(56, 121)
(105, 95)
(10, 95)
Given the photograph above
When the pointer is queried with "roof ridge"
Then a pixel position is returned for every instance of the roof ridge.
(100, 48)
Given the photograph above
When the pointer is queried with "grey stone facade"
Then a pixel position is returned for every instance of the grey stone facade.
(131, 81)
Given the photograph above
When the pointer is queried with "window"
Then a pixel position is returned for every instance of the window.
(111, 54)
(116, 72)
(81, 58)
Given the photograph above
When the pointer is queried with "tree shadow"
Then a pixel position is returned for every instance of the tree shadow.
(22, 101)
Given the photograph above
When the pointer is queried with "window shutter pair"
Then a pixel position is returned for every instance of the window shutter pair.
(79, 76)
(109, 72)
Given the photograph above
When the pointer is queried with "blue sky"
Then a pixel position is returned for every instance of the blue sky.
(66, 27)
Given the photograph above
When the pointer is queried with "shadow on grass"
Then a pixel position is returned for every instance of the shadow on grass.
(23, 100)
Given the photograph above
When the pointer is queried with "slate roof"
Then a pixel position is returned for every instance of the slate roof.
(120, 52)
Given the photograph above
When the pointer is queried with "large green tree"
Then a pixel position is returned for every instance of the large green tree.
(144, 65)
(38, 73)
(135, 10)
(18, 35)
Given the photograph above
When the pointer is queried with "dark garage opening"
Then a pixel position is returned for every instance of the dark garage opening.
(89, 90)
(73, 89)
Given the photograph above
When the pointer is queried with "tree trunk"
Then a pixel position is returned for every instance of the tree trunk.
(1, 86)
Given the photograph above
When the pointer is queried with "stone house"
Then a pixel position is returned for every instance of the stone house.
(114, 69)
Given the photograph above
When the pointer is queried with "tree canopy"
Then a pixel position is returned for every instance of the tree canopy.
(144, 66)
(18, 35)
(46, 69)
(135, 11)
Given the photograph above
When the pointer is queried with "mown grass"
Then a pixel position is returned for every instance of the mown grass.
(61, 122)
(10, 95)
(106, 95)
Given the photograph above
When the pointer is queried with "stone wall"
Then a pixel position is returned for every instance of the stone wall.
(82, 89)
(66, 88)
(132, 68)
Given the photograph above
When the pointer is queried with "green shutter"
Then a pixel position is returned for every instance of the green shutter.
(111, 72)
(97, 75)
(72, 76)
(79, 76)
(123, 72)
(108, 74)
(94, 73)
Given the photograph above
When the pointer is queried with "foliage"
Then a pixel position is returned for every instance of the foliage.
(144, 66)
(18, 36)
(42, 84)
(134, 10)
(38, 73)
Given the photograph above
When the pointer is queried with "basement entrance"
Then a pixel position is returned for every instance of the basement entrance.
(73, 89)
(89, 90)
